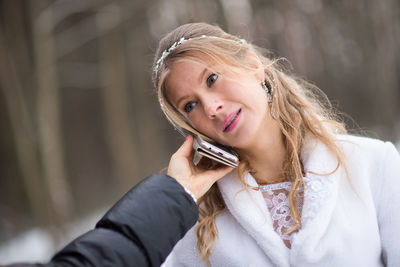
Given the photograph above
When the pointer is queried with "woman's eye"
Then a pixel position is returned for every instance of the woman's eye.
(211, 79)
(189, 106)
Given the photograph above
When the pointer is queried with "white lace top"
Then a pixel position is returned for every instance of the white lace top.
(277, 198)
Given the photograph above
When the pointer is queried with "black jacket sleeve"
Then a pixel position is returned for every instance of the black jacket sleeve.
(139, 230)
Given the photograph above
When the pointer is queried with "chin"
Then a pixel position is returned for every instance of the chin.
(243, 143)
(246, 139)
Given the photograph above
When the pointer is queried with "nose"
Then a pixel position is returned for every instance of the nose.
(213, 107)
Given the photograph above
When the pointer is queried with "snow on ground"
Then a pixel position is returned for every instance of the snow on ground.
(36, 245)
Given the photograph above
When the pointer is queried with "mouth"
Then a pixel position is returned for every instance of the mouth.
(231, 121)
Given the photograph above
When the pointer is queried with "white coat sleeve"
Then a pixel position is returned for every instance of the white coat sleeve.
(388, 208)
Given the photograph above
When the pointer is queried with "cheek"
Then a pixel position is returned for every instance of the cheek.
(200, 122)
(206, 127)
(251, 92)
(255, 100)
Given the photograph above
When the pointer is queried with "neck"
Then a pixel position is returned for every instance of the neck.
(266, 156)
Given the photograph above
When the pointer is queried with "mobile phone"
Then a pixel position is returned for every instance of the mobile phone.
(215, 152)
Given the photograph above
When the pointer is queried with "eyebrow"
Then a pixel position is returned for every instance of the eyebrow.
(186, 96)
(202, 75)
(180, 100)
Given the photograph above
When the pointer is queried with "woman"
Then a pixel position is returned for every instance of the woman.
(305, 192)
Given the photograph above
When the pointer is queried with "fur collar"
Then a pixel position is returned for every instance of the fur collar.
(320, 193)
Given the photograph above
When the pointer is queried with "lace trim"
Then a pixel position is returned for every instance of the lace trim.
(276, 197)
(270, 187)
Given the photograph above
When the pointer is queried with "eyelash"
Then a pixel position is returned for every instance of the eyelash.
(210, 81)
(187, 108)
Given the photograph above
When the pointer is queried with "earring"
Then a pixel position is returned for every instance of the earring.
(270, 96)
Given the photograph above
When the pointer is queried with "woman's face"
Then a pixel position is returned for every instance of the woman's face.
(231, 108)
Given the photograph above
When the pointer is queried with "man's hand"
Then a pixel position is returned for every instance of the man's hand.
(198, 180)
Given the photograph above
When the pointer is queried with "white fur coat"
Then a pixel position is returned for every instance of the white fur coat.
(339, 227)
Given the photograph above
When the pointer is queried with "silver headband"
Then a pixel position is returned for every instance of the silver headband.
(166, 52)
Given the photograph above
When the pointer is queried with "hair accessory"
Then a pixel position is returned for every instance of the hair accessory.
(270, 96)
(166, 52)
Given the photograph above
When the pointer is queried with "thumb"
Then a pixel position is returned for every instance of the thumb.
(204, 181)
(218, 173)
(186, 148)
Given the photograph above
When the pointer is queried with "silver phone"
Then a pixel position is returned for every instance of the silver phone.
(215, 152)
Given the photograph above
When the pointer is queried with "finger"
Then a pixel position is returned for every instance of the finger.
(218, 173)
(186, 148)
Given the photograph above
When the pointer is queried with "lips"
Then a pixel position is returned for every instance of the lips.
(231, 121)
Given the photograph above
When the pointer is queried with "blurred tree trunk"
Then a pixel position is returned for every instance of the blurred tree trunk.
(385, 30)
(22, 129)
(238, 15)
(48, 112)
(115, 97)
(150, 129)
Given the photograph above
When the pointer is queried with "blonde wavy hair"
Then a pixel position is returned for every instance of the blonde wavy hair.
(301, 109)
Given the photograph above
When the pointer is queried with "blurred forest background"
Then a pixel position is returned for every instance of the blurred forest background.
(80, 124)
